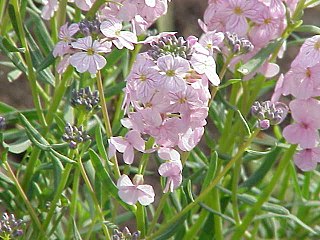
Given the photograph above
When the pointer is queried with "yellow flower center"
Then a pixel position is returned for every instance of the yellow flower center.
(143, 77)
(170, 73)
(267, 21)
(308, 72)
(90, 51)
(317, 45)
(238, 10)
(182, 100)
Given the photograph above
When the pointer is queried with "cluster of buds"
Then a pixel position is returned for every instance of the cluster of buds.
(85, 98)
(125, 235)
(75, 135)
(10, 227)
(88, 28)
(2, 123)
(269, 113)
(237, 45)
(170, 45)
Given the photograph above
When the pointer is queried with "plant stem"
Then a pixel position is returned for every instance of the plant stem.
(140, 218)
(62, 12)
(95, 200)
(25, 199)
(31, 73)
(107, 121)
(190, 206)
(73, 205)
(62, 184)
(266, 193)
(158, 212)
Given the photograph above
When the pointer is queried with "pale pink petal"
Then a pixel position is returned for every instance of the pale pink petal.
(124, 181)
(305, 160)
(80, 61)
(135, 139)
(128, 155)
(169, 154)
(146, 194)
(129, 195)
(298, 134)
(120, 143)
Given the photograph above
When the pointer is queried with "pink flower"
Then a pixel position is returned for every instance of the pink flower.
(111, 28)
(203, 63)
(143, 77)
(50, 6)
(211, 41)
(184, 101)
(89, 59)
(169, 154)
(306, 113)
(235, 13)
(173, 70)
(171, 170)
(126, 145)
(65, 35)
(302, 82)
(309, 54)
(190, 138)
(150, 3)
(278, 90)
(267, 27)
(307, 159)
(133, 193)
(84, 5)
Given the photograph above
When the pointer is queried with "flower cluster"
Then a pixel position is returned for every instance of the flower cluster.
(269, 113)
(167, 99)
(85, 98)
(125, 234)
(256, 20)
(75, 135)
(140, 13)
(10, 227)
(302, 81)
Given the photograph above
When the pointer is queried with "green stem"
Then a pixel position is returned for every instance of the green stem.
(208, 190)
(73, 205)
(107, 121)
(145, 157)
(31, 73)
(158, 212)
(95, 200)
(218, 234)
(140, 218)
(235, 178)
(62, 12)
(266, 193)
(62, 184)
(25, 199)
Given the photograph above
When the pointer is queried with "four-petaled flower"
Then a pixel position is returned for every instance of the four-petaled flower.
(133, 193)
(89, 58)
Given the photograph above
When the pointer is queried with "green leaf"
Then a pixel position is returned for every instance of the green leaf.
(14, 75)
(255, 62)
(10, 47)
(32, 130)
(262, 171)
(46, 62)
(230, 82)
(100, 145)
(170, 231)
(106, 180)
(308, 29)
(18, 147)
(211, 171)
(13, 19)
